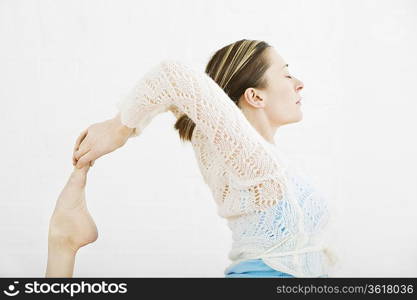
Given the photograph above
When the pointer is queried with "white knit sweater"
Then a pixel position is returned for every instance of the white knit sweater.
(274, 212)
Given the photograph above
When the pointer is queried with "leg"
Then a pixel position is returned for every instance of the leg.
(71, 226)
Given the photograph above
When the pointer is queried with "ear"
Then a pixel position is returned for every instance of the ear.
(253, 98)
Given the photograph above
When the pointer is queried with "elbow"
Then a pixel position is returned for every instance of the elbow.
(173, 65)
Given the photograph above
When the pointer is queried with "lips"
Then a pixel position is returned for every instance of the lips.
(299, 100)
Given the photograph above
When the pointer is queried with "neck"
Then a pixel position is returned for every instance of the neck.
(260, 122)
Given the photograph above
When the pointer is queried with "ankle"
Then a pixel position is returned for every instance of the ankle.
(62, 244)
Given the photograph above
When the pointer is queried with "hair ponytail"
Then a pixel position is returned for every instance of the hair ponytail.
(234, 68)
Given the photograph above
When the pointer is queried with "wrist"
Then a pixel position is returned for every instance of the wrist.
(121, 128)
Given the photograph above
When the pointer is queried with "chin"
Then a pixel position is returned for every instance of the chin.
(299, 117)
(296, 119)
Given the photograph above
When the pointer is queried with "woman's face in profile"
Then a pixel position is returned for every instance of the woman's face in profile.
(282, 91)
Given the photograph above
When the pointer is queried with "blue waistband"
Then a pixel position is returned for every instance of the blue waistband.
(254, 268)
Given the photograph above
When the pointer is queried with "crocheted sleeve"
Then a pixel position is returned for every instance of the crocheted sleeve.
(173, 85)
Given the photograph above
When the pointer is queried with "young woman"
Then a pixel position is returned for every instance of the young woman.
(230, 115)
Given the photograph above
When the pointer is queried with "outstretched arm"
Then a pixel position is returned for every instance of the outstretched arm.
(172, 84)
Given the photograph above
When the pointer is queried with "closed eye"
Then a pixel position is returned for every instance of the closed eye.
(288, 76)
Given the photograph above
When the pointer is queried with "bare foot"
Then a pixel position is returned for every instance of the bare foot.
(71, 225)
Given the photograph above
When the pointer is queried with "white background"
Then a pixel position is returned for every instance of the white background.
(65, 64)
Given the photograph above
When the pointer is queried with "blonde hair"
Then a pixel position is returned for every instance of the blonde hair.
(234, 68)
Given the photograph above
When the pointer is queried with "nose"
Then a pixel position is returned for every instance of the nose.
(299, 85)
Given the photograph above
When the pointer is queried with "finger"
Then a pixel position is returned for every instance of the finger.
(80, 163)
(86, 159)
(80, 139)
(82, 151)
(74, 160)
(77, 145)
